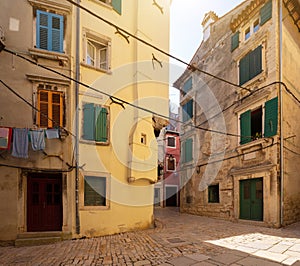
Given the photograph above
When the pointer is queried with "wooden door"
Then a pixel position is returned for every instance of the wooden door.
(44, 202)
(251, 199)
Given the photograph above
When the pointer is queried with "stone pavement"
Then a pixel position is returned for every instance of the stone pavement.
(179, 239)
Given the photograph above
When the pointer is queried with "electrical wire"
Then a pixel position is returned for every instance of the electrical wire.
(71, 168)
(33, 107)
(190, 66)
(118, 99)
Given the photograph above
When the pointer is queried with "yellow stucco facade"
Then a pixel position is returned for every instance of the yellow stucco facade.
(126, 159)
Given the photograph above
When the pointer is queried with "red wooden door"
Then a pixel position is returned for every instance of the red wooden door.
(44, 202)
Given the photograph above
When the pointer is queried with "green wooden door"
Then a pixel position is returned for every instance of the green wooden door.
(251, 199)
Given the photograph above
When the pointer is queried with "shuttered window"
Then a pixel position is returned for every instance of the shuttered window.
(95, 125)
(187, 111)
(271, 117)
(188, 85)
(266, 12)
(117, 6)
(235, 40)
(50, 105)
(187, 150)
(250, 65)
(94, 191)
(49, 31)
(251, 123)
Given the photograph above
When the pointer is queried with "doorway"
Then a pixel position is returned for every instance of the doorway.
(251, 199)
(171, 196)
(44, 202)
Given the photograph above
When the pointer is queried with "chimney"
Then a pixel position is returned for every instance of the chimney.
(209, 19)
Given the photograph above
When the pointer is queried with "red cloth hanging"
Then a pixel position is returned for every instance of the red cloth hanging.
(5, 138)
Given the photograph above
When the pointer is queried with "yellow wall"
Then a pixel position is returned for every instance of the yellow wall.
(128, 164)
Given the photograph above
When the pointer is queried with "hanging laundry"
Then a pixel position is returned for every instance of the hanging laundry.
(5, 138)
(37, 139)
(20, 143)
(52, 133)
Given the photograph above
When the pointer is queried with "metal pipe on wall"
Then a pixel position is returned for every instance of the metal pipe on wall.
(77, 76)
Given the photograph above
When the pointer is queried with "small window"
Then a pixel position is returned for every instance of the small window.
(95, 191)
(50, 105)
(171, 163)
(97, 55)
(49, 31)
(171, 142)
(247, 33)
(143, 139)
(213, 194)
(95, 125)
(256, 26)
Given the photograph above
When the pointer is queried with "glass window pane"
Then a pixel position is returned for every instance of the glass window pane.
(94, 191)
(90, 60)
(256, 26)
(247, 33)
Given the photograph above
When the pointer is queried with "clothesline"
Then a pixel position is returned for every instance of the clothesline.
(19, 138)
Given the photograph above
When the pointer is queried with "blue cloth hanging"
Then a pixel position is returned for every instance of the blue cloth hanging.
(20, 143)
(37, 139)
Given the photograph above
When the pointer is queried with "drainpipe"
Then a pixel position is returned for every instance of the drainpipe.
(77, 77)
(281, 116)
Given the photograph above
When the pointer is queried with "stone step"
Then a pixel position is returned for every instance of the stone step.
(22, 242)
(39, 234)
(41, 238)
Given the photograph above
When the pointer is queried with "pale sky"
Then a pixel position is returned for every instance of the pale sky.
(186, 29)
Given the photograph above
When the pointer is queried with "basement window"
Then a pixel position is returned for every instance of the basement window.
(213, 194)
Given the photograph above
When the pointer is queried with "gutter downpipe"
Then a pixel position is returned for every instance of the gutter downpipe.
(281, 117)
(77, 76)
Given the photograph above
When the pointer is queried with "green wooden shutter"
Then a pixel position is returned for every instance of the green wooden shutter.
(245, 127)
(182, 153)
(235, 40)
(117, 6)
(187, 111)
(188, 150)
(244, 69)
(89, 121)
(101, 124)
(271, 117)
(266, 12)
(255, 62)
(188, 85)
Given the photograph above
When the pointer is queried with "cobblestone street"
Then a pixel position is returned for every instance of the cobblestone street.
(178, 239)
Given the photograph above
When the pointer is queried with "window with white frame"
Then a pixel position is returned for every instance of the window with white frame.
(95, 190)
(171, 142)
(96, 51)
(97, 54)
